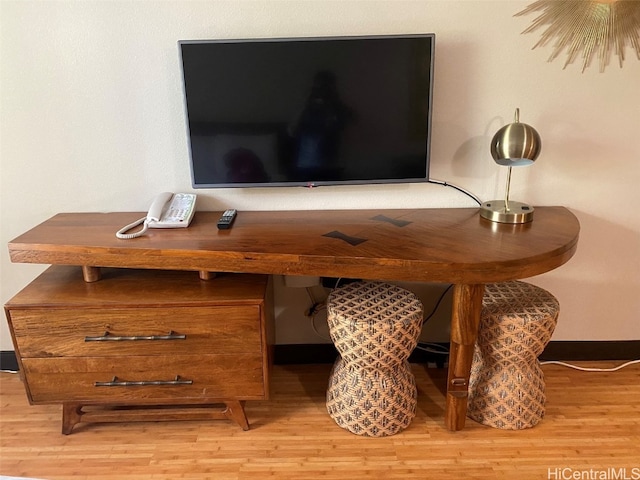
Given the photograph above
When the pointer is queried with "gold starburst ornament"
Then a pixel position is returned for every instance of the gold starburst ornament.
(586, 27)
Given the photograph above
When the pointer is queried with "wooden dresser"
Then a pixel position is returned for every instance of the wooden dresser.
(138, 341)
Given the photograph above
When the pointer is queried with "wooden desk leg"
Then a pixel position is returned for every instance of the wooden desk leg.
(235, 412)
(465, 319)
(206, 275)
(71, 415)
(90, 274)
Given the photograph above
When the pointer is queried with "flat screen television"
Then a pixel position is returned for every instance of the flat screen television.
(308, 111)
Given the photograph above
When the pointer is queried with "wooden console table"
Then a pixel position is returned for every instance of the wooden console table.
(429, 245)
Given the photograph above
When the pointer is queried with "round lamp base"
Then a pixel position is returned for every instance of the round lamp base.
(496, 212)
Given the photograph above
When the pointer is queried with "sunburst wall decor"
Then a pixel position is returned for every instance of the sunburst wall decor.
(587, 26)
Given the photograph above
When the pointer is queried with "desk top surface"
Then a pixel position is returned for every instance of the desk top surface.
(452, 245)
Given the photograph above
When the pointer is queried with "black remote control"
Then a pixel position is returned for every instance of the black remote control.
(227, 219)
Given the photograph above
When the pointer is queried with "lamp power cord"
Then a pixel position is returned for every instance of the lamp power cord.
(590, 369)
(455, 187)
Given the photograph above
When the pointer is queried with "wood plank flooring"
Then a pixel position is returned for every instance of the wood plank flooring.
(592, 427)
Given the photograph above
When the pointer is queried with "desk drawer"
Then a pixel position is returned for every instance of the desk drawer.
(186, 378)
(51, 332)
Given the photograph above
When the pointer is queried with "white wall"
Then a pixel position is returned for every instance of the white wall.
(92, 120)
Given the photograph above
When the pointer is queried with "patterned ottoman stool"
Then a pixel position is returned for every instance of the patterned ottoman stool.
(506, 388)
(375, 327)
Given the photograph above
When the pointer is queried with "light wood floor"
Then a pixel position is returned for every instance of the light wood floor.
(592, 424)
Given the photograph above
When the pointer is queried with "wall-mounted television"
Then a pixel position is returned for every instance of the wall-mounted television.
(308, 111)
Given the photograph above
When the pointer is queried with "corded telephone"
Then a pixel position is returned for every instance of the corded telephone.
(168, 210)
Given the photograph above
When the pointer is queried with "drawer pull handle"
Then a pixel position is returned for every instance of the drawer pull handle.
(116, 382)
(107, 337)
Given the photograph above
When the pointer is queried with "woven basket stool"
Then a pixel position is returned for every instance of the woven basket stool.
(506, 388)
(375, 327)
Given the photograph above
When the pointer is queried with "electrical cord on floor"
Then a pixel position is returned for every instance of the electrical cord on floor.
(590, 369)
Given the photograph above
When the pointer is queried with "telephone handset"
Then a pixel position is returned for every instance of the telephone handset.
(168, 210)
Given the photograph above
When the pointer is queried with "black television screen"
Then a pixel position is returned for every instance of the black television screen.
(308, 111)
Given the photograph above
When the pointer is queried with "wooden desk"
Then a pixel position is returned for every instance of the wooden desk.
(430, 245)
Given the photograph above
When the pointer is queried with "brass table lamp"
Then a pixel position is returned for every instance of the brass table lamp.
(514, 145)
